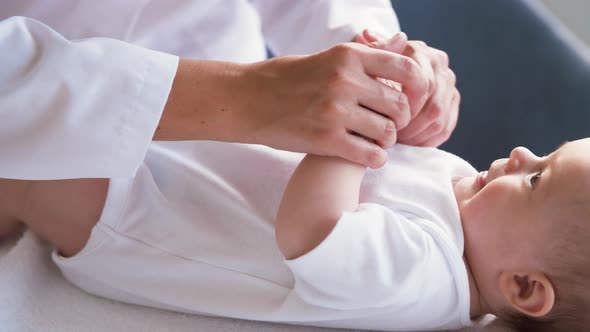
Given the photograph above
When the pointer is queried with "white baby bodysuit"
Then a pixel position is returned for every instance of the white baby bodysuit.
(193, 232)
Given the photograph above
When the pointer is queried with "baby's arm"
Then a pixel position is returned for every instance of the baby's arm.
(320, 189)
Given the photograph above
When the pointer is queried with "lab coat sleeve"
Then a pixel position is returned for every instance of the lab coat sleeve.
(309, 26)
(76, 109)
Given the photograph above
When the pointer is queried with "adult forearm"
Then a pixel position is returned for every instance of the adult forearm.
(319, 190)
(319, 104)
(203, 102)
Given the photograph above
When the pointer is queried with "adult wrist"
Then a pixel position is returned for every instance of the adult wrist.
(204, 103)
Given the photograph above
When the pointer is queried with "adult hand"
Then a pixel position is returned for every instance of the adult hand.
(325, 104)
(435, 122)
(328, 103)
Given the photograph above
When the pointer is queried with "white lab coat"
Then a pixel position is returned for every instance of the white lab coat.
(75, 106)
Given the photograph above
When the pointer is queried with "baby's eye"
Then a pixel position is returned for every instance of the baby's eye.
(533, 179)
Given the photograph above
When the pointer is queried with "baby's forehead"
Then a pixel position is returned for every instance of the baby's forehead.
(570, 171)
(575, 147)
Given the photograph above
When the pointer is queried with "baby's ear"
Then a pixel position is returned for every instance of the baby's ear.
(529, 293)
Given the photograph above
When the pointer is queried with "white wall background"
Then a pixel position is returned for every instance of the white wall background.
(574, 13)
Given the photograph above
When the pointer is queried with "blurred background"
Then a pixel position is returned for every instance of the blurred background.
(523, 70)
(574, 14)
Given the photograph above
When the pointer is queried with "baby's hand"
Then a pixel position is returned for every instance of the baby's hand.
(433, 124)
(397, 42)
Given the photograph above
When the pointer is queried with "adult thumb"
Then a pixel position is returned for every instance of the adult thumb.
(395, 44)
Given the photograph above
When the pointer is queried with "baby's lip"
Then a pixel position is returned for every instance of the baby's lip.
(482, 179)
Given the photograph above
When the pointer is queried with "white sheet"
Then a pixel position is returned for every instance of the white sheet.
(35, 297)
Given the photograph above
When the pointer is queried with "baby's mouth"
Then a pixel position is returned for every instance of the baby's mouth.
(482, 179)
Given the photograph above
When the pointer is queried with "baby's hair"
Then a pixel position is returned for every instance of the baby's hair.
(567, 261)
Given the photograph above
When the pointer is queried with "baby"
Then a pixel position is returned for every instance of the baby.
(523, 224)
(423, 243)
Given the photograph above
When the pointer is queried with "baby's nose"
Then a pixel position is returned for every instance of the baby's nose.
(519, 157)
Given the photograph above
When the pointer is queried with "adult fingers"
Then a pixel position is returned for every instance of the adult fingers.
(361, 151)
(395, 44)
(386, 100)
(373, 126)
(440, 125)
(398, 68)
(419, 51)
(441, 58)
(430, 117)
(443, 136)
(436, 112)
(360, 38)
(369, 37)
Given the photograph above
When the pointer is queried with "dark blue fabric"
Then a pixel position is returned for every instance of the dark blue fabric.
(520, 83)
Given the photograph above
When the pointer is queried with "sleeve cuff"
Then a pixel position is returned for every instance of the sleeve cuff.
(138, 125)
(86, 108)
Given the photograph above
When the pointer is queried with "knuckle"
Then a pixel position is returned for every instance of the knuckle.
(323, 135)
(436, 110)
(402, 100)
(431, 84)
(410, 66)
(339, 48)
(437, 127)
(423, 85)
(390, 134)
(452, 78)
(403, 115)
(345, 52)
(335, 76)
(443, 57)
(382, 91)
(415, 74)
(336, 80)
(328, 109)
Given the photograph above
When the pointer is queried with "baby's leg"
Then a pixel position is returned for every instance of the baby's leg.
(64, 212)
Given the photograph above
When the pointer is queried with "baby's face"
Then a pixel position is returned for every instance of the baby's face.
(509, 212)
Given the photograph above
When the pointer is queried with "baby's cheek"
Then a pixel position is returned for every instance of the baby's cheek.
(464, 189)
(483, 203)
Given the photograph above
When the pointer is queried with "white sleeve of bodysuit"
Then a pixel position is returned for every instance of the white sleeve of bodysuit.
(309, 26)
(373, 258)
(76, 109)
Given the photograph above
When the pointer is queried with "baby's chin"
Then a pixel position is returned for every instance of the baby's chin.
(465, 188)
